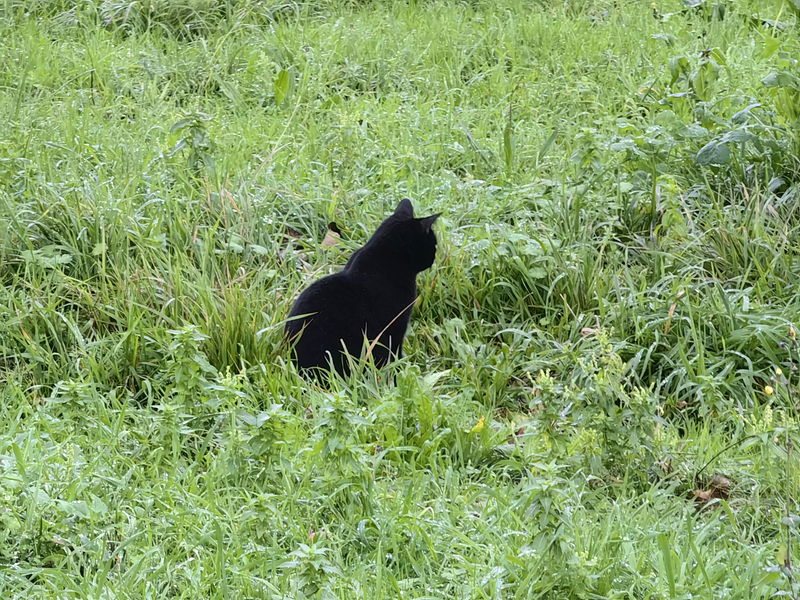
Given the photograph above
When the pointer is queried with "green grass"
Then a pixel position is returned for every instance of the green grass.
(617, 282)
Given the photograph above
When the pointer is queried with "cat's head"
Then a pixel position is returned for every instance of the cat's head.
(407, 238)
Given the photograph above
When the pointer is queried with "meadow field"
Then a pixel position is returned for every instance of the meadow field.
(598, 397)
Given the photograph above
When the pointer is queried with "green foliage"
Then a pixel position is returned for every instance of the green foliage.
(611, 320)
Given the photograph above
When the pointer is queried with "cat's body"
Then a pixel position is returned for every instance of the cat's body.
(371, 298)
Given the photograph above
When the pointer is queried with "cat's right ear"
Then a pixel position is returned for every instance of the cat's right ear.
(404, 209)
(427, 222)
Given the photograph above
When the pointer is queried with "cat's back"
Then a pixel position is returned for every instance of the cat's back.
(329, 313)
(328, 294)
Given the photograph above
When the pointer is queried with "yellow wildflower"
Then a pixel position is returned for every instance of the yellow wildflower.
(479, 426)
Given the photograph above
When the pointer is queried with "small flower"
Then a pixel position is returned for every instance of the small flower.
(479, 426)
(653, 5)
(778, 371)
(768, 390)
(792, 332)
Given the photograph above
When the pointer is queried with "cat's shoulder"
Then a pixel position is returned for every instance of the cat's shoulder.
(331, 285)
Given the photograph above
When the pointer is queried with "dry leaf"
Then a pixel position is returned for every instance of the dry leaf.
(332, 236)
(229, 197)
(702, 497)
(292, 233)
(719, 488)
(514, 437)
(670, 313)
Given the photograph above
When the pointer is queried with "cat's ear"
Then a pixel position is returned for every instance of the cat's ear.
(404, 209)
(427, 222)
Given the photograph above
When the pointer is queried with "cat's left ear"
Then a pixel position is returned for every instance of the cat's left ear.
(404, 209)
(427, 222)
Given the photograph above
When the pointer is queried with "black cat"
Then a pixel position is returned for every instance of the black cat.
(370, 299)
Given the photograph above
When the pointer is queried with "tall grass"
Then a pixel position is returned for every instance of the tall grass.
(611, 320)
